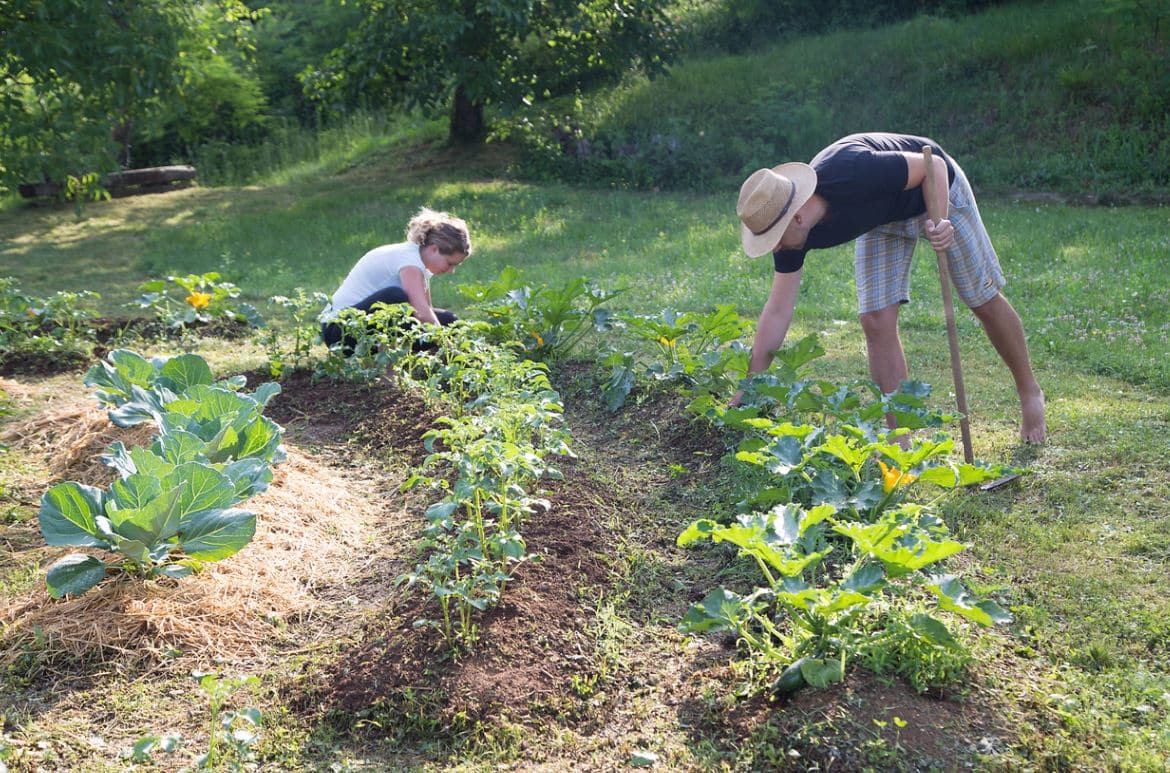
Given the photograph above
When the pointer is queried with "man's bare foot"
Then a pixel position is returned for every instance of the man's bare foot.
(1032, 425)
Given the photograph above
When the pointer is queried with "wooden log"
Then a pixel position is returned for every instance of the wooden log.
(142, 190)
(128, 182)
(39, 190)
(156, 175)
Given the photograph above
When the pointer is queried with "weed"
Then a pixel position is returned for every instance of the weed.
(231, 734)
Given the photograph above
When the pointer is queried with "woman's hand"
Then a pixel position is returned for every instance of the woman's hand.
(940, 234)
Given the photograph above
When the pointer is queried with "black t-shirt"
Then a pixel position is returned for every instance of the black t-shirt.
(863, 179)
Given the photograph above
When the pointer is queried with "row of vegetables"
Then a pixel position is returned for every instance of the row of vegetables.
(501, 426)
(56, 331)
(848, 546)
(847, 543)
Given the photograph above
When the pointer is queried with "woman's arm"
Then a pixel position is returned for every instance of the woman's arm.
(416, 291)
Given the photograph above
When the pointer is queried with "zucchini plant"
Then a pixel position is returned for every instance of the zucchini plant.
(56, 327)
(833, 529)
(181, 301)
(702, 352)
(547, 322)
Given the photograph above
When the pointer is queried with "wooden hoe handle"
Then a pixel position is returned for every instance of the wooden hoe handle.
(936, 210)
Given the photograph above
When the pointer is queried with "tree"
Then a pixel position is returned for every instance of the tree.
(294, 34)
(466, 54)
(79, 78)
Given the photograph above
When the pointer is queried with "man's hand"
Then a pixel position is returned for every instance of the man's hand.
(735, 399)
(941, 234)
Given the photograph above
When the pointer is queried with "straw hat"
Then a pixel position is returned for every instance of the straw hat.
(767, 202)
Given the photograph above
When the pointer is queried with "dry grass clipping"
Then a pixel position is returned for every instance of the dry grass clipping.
(309, 524)
(70, 437)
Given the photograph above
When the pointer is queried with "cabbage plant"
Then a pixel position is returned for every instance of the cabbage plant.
(156, 525)
(174, 506)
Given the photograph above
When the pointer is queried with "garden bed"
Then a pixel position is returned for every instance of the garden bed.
(312, 607)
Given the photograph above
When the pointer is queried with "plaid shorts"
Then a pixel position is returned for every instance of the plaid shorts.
(883, 255)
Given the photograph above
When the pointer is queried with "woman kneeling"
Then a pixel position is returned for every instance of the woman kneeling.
(401, 273)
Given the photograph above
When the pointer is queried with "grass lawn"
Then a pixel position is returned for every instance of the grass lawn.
(1077, 548)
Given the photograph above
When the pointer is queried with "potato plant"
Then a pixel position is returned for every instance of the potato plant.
(303, 307)
(502, 419)
(493, 450)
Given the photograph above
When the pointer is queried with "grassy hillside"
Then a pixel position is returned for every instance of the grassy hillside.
(1070, 96)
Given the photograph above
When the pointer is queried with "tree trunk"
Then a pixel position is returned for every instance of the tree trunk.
(467, 124)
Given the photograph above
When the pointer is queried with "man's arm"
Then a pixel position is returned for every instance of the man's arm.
(774, 319)
(942, 233)
(415, 288)
(773, 323)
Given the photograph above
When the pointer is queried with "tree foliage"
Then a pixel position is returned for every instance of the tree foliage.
(292, 36)
(80, 78)
(468, 54)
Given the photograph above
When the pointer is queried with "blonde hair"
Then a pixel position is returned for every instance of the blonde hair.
(448, 233)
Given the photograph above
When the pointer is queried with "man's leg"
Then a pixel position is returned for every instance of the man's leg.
(1006, 333)
(887, 361)
(883, 347)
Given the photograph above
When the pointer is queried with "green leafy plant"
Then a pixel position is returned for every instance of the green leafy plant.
(906, 642)
(833, 530)
(140, 753)
(56, 327)
(293, 347)
(86, 186)
(823, 601)
(502, 420)
(547, 322)
(163, 526)
(173, 507)
(700, 351)
(380, 338)
(125, 378)
(231, 735)
(182, 301)
(473, 542)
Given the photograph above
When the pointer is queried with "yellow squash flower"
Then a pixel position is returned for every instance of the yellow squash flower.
(199, 300)
(893, 478)
(667, 342)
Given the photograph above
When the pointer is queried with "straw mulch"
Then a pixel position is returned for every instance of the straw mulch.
(69, 439)
(310, 524)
